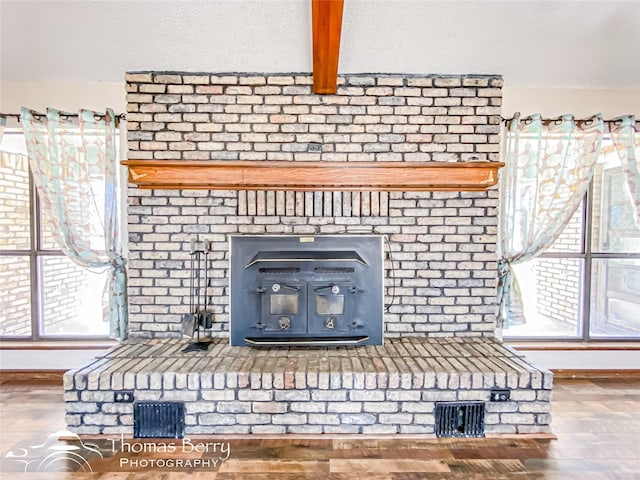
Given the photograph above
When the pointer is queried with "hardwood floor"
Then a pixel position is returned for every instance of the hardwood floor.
(597, 423)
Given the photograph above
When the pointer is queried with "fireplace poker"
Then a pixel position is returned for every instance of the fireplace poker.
(195, 320)
(205, 318)
(189, 320)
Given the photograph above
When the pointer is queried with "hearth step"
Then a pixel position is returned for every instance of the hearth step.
(382, 389)
(305, 341)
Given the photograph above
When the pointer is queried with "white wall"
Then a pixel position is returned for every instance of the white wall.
(549, 102)
(45, 359)
(582, 103)
(584, 359)
(543, 43)
(67, 96)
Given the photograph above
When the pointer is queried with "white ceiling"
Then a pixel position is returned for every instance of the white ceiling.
(569, 43)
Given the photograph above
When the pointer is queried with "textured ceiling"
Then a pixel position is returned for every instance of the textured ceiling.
(570, 43)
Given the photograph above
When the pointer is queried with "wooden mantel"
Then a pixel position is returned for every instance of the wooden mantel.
(313, 176)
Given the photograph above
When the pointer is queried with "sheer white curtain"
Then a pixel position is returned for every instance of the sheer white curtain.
(74, 165)
(548, 167)
(623, 135)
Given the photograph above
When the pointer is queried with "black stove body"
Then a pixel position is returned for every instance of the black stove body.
(306, 290)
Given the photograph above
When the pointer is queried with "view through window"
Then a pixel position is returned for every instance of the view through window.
(43, 294)
(587, 285)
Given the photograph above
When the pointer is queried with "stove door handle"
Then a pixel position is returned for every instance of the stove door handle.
(291, 287)
(322, 289)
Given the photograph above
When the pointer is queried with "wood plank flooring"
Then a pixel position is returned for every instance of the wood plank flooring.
(597, 423)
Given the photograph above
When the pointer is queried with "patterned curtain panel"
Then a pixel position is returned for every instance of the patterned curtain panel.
(73, 160)
(623, 135)
(548, 169)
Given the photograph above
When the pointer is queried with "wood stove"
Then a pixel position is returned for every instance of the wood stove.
(306, 290)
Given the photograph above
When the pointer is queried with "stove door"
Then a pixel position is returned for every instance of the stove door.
(329, 307)
(283, 308)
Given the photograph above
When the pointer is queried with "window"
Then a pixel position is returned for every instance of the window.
(587, 284)
(43, 295)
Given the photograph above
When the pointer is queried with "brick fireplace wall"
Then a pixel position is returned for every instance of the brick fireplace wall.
(441, 275)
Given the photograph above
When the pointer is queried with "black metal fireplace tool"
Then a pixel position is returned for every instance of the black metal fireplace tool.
(199, 317)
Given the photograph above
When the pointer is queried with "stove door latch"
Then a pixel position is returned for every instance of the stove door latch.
(330, 323)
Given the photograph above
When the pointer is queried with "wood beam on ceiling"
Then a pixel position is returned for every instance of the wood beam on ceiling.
(327, 25)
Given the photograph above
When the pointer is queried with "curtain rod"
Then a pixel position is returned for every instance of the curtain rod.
(16, 116)
(547, 121)
(123, 117)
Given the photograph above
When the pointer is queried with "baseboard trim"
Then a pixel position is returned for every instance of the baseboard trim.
(31, 376)
(572, 346)
(56, 345)
(587, 374)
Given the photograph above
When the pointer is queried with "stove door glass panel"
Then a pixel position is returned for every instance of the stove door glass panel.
(329, 304)
(283, 311)
(283, 304)
(329, 308)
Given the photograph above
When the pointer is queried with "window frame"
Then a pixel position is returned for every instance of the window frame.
(35, 253)
(587, 255)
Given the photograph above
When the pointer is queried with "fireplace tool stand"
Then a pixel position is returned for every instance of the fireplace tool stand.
(199, 317)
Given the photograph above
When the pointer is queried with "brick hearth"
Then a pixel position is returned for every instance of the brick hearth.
(369, 389)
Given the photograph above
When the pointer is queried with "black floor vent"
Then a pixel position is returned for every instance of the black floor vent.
(460, 419)
(158, 420)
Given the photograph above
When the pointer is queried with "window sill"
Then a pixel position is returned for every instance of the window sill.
(551, 345)
(57, 345)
